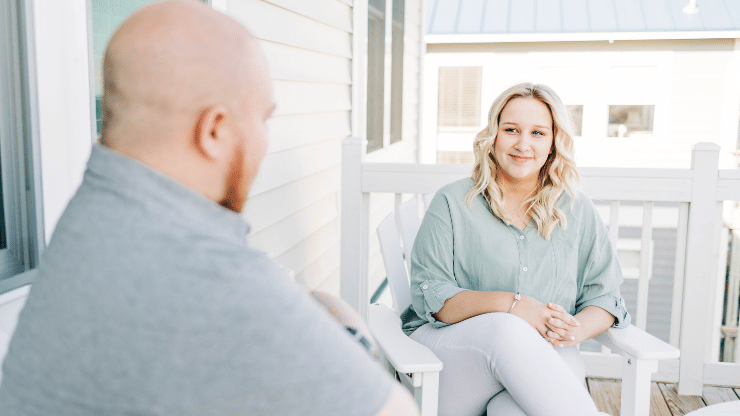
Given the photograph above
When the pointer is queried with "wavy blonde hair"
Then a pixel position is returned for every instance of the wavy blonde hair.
(557, 175)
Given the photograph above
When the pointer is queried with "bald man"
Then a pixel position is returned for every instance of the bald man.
(148, 300)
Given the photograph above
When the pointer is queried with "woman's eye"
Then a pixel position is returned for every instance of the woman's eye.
(510, 130)
(538, 133)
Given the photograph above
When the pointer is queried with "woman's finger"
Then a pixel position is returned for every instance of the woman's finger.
(554, 335)
(563, 314)
(567, 318)
(558, 323)
(562, 333)
(555, 307)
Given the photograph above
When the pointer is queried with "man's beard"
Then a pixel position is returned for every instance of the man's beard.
(236, 188)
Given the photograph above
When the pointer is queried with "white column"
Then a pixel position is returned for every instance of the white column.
(64, 100)
(353, 268)
(701, 261)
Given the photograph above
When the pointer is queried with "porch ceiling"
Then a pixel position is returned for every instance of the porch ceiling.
(583, 17)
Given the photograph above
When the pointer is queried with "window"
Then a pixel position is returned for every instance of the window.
(459, 96)
(19, 241)
(385, 122)
(107, 15)
(576, 114)
(630, 120)
(3, 239)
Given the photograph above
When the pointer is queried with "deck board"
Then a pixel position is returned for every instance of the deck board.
(658, 405)
(664, 398)
(607, 396)
(679, 405)
(714, 395)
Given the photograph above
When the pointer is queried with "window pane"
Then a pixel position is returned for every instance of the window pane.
(3, 237)
(459, 96)
(375, 74)
(630, 120)
(576, 114)
(397, 71)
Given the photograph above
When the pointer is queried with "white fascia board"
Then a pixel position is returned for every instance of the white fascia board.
(577, 37)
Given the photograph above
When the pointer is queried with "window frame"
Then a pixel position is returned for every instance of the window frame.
(389, 98)
(19, 141)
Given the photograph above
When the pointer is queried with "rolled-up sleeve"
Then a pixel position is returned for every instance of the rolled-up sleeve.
(601, 279)
(432, 275)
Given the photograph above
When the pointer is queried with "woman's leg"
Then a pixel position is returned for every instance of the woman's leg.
(466, 382)
(486, 353)
(503, 404)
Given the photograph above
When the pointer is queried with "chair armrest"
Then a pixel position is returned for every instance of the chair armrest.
(404, 354)
(637, 343)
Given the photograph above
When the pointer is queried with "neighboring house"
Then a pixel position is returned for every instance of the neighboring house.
(318, 53)
(644, 81)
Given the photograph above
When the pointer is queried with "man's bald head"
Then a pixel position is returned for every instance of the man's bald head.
(166, 70)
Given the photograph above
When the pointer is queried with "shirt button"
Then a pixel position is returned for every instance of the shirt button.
(425, 287)
(521, 237)
(524, 268)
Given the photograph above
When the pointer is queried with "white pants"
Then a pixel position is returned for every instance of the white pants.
(496, 362)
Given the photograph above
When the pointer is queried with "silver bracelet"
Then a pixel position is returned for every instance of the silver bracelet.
(516, 299)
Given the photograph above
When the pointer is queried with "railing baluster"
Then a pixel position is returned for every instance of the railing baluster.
(613, 236)
(645, 265)
(614, 223)
(678, 273)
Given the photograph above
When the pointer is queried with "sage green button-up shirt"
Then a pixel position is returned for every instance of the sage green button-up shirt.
(469, 248)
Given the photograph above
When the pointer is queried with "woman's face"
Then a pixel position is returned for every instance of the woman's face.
(523, 141)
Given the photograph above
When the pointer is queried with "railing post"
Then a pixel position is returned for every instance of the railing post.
(701, 262)
(353, 266)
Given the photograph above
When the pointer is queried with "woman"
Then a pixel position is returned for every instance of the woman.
(516, 237)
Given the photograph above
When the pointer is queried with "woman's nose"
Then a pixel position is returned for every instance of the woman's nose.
(522, 141)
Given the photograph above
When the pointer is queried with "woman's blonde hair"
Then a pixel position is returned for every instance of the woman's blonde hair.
(557, 175)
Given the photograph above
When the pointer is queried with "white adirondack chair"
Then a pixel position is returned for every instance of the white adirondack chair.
(418, 367)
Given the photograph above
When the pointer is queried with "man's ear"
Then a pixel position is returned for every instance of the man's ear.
(212, 134)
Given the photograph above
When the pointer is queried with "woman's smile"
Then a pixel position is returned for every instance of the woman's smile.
(521, 159)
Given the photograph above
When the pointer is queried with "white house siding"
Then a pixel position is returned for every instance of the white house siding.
(294, 205)
(692, 83)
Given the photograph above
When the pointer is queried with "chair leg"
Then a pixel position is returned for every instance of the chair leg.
(636, 379)
(427, 395)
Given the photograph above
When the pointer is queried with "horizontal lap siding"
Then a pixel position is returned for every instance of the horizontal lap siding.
(294, 204)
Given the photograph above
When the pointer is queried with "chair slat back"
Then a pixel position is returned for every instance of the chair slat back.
(407, 218)
(395, 269)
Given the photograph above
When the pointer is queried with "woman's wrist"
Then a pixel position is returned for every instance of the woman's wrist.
(517, 298)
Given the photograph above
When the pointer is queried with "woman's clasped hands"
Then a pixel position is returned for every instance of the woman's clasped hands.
(556, 325)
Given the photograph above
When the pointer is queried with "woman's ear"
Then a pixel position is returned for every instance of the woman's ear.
(212, 133)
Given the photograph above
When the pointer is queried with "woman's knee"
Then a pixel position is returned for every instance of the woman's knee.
(503, 323)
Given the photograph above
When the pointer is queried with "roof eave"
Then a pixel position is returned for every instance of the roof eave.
(578, 37)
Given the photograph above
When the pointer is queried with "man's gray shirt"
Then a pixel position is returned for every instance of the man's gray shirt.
(149, 301)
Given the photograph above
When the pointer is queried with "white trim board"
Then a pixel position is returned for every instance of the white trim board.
(577, 37)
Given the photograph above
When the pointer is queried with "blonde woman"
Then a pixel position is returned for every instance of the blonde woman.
(513, 267)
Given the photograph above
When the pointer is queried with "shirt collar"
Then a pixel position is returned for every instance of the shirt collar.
(134, 179)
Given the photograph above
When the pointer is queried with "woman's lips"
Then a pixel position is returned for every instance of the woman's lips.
(520, 159)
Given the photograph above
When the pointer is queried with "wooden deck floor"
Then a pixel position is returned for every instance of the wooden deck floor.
(664, 400)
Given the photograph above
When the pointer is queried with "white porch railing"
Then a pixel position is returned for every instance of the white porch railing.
(699, 192)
